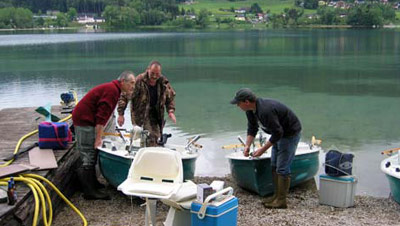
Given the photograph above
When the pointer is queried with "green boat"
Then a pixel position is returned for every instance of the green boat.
(115, 160)
(390, 166)
(254, 174)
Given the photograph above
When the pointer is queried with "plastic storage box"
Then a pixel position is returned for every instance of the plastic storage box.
(337, 191)
(218, 214)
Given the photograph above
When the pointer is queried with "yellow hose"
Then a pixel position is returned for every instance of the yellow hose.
(39, 192)
(3, 181)
(38, 189)
(76, 210)
(47, 196)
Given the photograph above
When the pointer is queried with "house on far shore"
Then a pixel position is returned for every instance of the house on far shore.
(240, 17)
(52, 12)
(260, 16)
(242, 10)
(89, 19)
(312, 16)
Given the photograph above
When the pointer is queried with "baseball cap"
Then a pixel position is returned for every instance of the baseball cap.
(242, 95)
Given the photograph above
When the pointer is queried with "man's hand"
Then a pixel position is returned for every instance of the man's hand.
(97, 143)
(171, 115)
(259, 152)
(246, 151)
(121, 120)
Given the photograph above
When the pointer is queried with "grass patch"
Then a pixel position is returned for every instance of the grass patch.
(275, 6)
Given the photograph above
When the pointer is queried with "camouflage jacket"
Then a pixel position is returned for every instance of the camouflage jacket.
(140, 100)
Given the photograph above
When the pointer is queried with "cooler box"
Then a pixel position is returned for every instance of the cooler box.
(337, 191)
(222, 213)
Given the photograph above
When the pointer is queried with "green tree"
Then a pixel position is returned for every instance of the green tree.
(72, 14)
(365, 15)
(62, 20)
(48, 22)
(111, 14)
(327, 15)
(129, 18)
(153, 17)
(218, 21)
(16, 18)
(203, 18)
(255, 8)
(294, 14)
(388, 12)
(183, 22)
(121, 17)
(25, 18)
(310, 4)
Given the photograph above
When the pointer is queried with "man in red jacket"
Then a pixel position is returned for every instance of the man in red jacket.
(89, 118)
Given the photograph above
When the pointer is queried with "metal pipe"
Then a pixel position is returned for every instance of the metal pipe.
(196, 138)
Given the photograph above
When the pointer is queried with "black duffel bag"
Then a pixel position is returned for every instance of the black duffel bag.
(338, 164)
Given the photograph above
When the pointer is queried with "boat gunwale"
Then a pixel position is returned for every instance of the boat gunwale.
(267, 156)
(122, 154)
(390, 171)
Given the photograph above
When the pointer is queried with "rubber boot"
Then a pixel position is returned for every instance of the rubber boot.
(283, 188)
(86, 178)
(97, 184)
(275, 184)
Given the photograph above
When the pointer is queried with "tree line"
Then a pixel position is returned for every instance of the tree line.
(131, 13)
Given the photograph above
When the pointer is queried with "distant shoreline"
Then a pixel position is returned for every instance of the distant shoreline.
(245, 27)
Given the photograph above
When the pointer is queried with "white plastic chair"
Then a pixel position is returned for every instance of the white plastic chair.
(156, 173)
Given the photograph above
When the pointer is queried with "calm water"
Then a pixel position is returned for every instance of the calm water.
(343, 84)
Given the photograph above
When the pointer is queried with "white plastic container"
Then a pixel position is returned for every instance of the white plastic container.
(337, 191)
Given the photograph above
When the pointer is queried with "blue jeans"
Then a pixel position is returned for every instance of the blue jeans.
(283, 153)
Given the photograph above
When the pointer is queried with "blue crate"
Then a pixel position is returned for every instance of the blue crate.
(224, 214)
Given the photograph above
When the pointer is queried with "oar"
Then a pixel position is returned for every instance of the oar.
(234, 146)
(115, 134)
(390, 151)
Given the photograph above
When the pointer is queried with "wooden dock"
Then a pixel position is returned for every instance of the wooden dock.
(14, 123)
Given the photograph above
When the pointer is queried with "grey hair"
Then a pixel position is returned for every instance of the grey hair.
(125, 75)
(154, 62)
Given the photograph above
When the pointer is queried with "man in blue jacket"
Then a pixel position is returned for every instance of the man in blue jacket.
(278, 120)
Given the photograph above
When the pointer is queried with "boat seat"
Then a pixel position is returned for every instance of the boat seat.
(156, 172)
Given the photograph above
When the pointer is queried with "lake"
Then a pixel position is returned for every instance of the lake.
(344, 85)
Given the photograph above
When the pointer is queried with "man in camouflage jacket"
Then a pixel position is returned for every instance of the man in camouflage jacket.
(152, 96)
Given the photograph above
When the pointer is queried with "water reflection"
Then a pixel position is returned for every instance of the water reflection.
(343, 84)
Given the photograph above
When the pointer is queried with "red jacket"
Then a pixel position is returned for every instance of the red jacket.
(97, 105)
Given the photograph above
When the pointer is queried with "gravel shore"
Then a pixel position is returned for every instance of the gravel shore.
(304, 209)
